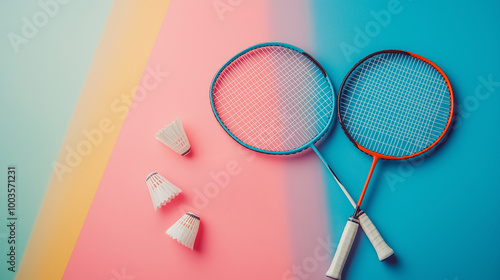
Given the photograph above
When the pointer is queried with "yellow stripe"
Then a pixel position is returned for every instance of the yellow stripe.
(120, 59)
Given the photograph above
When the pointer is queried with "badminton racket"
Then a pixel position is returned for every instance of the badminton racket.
(392, 105)
(274, 98)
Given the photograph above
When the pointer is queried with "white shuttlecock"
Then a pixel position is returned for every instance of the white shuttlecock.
(185, 230)
(174, 136)
(161, 190)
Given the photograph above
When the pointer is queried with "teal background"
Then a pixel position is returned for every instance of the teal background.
(438, 212)
(39, 88)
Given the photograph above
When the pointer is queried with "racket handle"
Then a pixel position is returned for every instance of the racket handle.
(383, 250)
(345, 244)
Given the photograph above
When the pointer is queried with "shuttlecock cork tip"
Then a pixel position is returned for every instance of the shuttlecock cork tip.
(192, 215)
(150, 175)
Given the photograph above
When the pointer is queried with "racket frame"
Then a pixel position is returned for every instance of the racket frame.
(288, 152)
(382, 156)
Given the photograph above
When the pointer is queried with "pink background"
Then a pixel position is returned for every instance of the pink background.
(269, 205)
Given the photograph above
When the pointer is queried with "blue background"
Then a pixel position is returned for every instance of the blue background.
(439, 212)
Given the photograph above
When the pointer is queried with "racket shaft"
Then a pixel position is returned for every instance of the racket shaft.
(334, 176)
(383, 250)
(342, 252)
(374, 163)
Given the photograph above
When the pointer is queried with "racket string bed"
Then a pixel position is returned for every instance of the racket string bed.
(372, 123)
(298, 112)
(370, 116)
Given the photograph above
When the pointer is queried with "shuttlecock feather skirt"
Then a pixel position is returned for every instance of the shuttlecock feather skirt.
(161, 190)
(185, 230)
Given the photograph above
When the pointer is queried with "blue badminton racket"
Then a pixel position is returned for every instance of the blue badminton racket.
(276, 99)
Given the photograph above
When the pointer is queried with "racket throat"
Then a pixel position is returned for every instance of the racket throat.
(372, 168)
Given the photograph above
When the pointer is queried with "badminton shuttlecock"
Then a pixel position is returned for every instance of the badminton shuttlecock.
(185, 230)
(174, 136)
(161, 190)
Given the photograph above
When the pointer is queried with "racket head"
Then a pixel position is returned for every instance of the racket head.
(395, 104)
(281, 123)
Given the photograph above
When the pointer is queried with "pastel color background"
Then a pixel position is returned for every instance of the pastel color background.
(123, 70)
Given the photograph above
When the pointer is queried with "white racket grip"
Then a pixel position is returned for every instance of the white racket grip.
(383, 250)
(342, 252)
